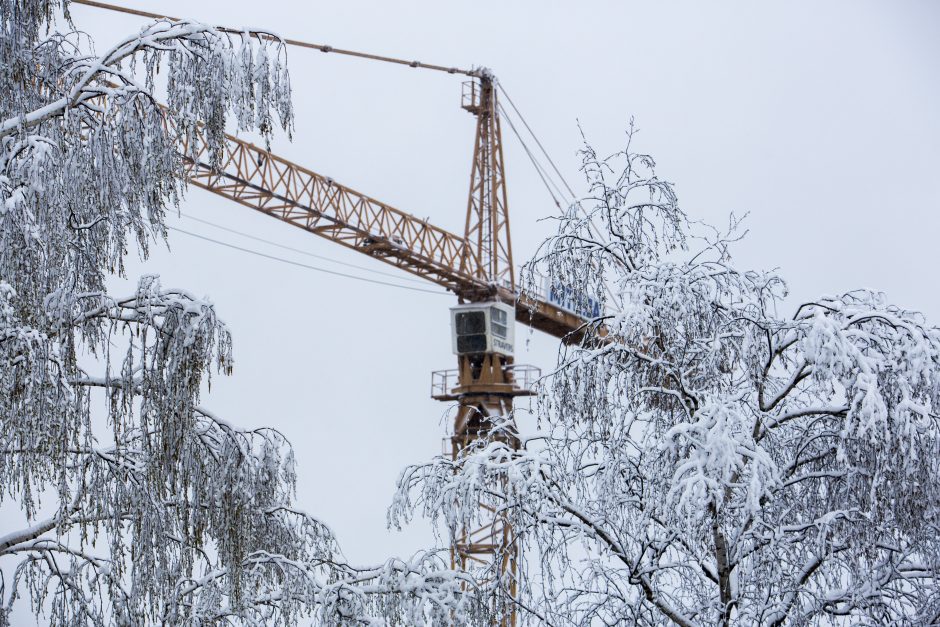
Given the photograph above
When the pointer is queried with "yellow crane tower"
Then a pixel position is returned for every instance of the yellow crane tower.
(476, 266)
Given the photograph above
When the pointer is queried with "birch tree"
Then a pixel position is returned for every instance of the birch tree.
(703, 458)
(152, 510)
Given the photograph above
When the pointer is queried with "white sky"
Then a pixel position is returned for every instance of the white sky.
(820, 119)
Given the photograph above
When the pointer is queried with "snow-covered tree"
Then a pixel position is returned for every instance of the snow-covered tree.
(703, 459)
(140, 506)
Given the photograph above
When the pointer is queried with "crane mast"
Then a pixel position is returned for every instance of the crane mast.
(489, 256)
(486, 381)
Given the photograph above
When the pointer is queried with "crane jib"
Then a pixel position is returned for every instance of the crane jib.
(429, 252)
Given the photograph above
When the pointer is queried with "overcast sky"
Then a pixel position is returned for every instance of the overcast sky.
(818, 118)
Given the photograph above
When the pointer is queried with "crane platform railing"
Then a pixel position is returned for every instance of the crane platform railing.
(523, 379)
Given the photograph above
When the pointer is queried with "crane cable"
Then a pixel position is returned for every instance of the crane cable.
(304, 265)
(547, 182)
(543, 173)
(499, 86)
(290, 42)
(301, 251)
(591, 227)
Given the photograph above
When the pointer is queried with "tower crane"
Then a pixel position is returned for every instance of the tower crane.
(476, 266)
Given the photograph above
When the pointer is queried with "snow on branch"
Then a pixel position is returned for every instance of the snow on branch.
(703, 460)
